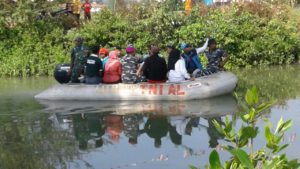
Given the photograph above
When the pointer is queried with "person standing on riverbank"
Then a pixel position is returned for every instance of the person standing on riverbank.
(76, 9)
(78, 60)
(87, 6)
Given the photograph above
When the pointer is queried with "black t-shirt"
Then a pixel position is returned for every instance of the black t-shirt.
(93, 66)
(155, 68)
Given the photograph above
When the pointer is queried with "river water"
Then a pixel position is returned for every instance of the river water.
(133, 135)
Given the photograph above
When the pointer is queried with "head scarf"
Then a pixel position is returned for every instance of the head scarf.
(112, 55)
(173, 58)
(112, 58)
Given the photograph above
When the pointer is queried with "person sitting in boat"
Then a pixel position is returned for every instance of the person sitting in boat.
(118, 51)
(217, 58)
(176, 66)
(93, 69)
(155, 67)
(191, 57)
(103, 54)
(130, 64)
(78, 60)
(192, 61)
(112, 69)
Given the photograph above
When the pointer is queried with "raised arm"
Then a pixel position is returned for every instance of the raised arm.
(202, 49)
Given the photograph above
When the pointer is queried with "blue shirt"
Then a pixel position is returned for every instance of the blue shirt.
(104, 60)
(192, 61)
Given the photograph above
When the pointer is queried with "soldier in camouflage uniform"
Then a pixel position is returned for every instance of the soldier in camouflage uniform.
(216, 59)
(78, 59)
(130, 64)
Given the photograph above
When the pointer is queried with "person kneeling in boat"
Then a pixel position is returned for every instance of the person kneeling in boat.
(176, 66)
(112, 69)
(155, 67)
(93, 69)
(78, 60)
(130, 64)
(217, 58)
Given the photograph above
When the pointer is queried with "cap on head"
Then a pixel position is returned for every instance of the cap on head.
(103, 51)
(130, 49)
(184, 46)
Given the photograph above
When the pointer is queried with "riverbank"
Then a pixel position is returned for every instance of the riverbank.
(253, 34)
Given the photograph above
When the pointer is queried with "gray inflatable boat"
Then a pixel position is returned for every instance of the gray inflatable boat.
(202, 88)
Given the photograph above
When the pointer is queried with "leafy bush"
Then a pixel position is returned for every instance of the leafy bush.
(32, 47)
(29, 46)
(249, 39)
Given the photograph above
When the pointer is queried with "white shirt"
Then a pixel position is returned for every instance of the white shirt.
(180, 123)
(202, 49)
(180, 73)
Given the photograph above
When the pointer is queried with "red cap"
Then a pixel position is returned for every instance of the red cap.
(103, 51)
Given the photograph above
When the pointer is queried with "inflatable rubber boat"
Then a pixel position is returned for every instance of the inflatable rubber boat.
(201, 88)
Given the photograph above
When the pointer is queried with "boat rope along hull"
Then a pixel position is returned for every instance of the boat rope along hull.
(202, 88)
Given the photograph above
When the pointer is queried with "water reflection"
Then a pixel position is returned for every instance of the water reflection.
(97, 124)
(274, 83)
(132, 127)
(211, 107)
(90, 128)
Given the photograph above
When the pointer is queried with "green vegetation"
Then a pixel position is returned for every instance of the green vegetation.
(253, 34)
(29, 46)
(241, 141)
(275, 82)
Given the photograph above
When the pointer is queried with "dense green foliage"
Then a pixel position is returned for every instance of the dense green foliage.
(252, 35)
(29, 46)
